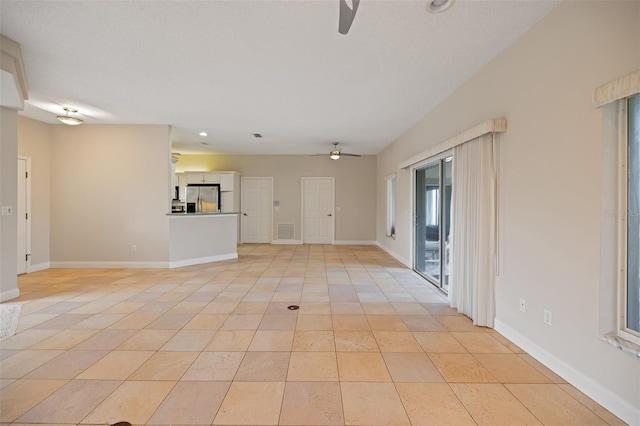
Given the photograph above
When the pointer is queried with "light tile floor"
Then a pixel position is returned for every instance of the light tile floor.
(372, 344)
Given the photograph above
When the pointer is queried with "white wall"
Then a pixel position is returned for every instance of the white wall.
(201, 239)
(550, 211)
(34, 141)
(8, 198)
(355, 187)
(110, 191)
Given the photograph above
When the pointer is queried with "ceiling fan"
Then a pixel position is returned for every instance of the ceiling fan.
(347, 13)
(336, 153)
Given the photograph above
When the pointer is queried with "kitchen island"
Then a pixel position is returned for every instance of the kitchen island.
(197, 238)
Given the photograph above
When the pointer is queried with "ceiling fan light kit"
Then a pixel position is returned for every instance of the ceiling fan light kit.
(70, 119)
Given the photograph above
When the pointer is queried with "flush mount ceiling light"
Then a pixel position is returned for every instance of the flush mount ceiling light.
(437, 6)
(70, 119)
(203, 134)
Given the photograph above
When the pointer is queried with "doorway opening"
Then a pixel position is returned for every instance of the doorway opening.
(433, 185)
(23, 214)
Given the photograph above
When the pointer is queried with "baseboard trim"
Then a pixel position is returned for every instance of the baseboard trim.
(38, 267)
(627, 412)
(108, 265)
(201, 260)
(396, 256)
(9, 294)
(354, 243)
(291, 242)
(335, 242)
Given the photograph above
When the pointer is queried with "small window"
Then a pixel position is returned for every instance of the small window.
(630, 279)
(391, 206)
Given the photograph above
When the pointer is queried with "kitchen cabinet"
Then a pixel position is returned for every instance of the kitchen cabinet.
(200, 177)
(226, 181)
(174, 181)
(229, 181)
(230, 187)
(227, 201)
(181, 180)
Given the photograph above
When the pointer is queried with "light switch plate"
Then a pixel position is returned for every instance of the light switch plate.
(7, 210)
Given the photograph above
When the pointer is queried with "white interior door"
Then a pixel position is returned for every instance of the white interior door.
(22, 214)
(317, 210)
(257, 197)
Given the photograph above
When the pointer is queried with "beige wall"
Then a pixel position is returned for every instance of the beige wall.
(550, 207)
(9, 198)
(34, 141)
(110, 191)
(354, 186)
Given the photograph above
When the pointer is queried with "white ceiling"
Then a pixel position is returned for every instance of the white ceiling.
(279, 68)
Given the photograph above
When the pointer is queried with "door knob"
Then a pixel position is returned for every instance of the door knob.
(329, 214)
(245, 214)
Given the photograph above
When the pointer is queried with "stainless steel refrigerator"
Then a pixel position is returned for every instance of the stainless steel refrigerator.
(203, 198)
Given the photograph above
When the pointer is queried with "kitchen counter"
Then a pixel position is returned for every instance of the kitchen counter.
(197, 238)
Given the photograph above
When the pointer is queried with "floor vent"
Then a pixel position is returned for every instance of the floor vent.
(286, 231)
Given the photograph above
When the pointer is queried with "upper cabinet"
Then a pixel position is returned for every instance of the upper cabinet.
(181, 183)
(229, 181)
(226, 182)
(200, 177)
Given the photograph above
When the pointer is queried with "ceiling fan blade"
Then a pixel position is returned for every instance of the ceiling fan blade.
(346, 15)
(336, 153)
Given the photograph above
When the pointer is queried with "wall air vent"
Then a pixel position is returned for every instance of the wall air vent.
(286, 231)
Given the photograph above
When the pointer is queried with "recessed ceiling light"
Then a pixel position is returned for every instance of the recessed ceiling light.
(437, 6)
(203, 134)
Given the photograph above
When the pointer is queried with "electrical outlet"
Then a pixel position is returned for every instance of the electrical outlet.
(547, 317)
(523, 305)
(134, 248)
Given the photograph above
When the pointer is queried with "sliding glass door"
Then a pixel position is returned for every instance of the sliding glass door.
(433, 185)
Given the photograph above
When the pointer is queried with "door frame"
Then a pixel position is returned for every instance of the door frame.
(27, 195)
(333, 206)
(242, 193)
(415, 167)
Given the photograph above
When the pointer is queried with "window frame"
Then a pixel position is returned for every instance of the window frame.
(391, 188)
(623, 210)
